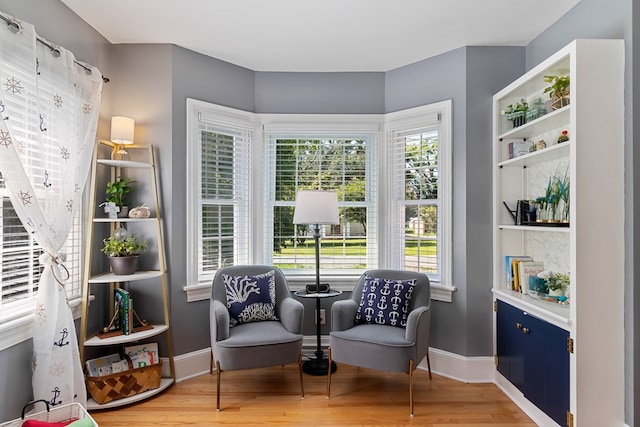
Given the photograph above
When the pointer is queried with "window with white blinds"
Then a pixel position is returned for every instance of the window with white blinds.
(219, 190)
(420, 147)
(340, 161)
(20, 269)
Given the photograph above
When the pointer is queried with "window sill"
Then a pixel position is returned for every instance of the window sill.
(344, 284)
(20, 329)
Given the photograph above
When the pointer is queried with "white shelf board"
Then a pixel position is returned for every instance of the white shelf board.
(540, 156)
(534, 228)
(125, 219)
(123, 163)
(556, 314)
(92, 405)
(138, 275)
(122, 339)
(552, 120)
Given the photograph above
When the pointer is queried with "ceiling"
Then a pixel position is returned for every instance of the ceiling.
(321, 35)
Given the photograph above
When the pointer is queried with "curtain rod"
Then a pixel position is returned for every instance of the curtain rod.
(14, 27)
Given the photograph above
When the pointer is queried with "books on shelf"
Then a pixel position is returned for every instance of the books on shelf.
(142, 355)
(519, 148)
(518, 269)
(124, 305)
(102, 365)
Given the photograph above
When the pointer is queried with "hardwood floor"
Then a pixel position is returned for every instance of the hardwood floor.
(359, 397)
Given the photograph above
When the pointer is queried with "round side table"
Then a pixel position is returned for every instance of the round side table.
(319, 365)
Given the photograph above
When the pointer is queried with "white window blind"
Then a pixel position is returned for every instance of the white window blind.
(420, 161)
(20, 271)
(337, 161)
(219, 151)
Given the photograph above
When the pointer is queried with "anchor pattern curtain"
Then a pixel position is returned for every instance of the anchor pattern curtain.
(49, 108)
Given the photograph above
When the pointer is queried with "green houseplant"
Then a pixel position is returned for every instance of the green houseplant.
(517, 113)
(123, 253)
(558, 90)
(117, 192)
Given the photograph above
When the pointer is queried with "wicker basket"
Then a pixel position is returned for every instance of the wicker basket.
(106, 388)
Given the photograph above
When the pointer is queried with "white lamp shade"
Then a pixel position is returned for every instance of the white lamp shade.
(122, 130)
(316, 207)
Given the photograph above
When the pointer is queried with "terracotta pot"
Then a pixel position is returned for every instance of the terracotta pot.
(123, 265)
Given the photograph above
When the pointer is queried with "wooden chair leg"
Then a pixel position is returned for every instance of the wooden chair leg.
(218, 372)
(411, 387)
(211, 363)
(329, 373)
(428, 364)
(300, 370)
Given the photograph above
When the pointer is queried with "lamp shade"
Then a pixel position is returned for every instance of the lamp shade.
(316, 207)
(122, 130)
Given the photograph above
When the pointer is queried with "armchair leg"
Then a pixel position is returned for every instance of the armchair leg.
(329, 373)
(211, 362)
(300, 369)
(411, 386)
(218, 372)
(428, 364)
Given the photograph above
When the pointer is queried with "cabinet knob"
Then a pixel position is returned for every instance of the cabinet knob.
(525, 330)
(519, 325)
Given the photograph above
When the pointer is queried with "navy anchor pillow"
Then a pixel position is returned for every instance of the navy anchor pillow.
(385, 301)
(251, 298)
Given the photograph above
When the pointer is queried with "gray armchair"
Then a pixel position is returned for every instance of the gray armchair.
(370, 337)
(253, 343)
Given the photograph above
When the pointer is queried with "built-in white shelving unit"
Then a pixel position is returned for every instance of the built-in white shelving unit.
(590, 249)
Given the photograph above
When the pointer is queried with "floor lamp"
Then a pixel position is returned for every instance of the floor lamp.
(316, 207)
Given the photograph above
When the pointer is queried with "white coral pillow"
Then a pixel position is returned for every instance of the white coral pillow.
(251, 298)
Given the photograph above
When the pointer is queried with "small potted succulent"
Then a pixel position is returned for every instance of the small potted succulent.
(123, 252)
(557, 283)
(117, 192)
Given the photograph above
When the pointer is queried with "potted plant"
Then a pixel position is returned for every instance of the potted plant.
(557, 283)
(558, 90)
(517, 113)
(117, 191)
(123, 253)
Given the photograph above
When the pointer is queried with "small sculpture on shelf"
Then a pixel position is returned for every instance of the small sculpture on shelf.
(141, 211)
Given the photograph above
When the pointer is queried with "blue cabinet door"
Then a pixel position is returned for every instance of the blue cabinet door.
(532, 355)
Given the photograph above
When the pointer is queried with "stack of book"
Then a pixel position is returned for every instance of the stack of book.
(137, 356)
(518, 270)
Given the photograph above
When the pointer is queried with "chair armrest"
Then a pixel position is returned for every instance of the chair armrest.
(291, 315)
(343, 315)
(219, 321)
(418, 328)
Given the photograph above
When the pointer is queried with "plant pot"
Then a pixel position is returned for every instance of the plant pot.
(123, 265)
(124, 212)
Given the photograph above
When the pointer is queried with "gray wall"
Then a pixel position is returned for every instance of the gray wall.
(151, 84)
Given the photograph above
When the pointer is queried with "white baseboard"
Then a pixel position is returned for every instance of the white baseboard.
(450, 365)
(537, 416)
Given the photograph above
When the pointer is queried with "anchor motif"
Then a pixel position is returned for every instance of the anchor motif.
(56, 394)
(42, 128)
(395, 302)
(382, 305)
(61, 343)
(380, 318)
(398, 287)
(385, 289)
(394, 317)
(46, 182)
(371, 297)
(368, 313)
(31, 225)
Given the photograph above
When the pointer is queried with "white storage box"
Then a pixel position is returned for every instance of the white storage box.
(55, 414)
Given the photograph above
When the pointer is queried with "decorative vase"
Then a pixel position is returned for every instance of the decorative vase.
(123, 265)
(558, 102)
(556, 292)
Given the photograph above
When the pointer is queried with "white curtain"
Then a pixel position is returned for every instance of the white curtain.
(49, 106)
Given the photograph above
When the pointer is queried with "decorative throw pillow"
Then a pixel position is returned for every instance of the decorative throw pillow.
(251, 298)
(385, 301)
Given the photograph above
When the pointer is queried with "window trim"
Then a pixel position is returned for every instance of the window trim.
(300, 123)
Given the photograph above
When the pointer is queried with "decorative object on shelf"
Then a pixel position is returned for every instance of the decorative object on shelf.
(110, 209)
(536, 110)
(557, 283)
(122, 130)
(123, 252)
(558, 90)
(141, 211)
(564, 136)
(117, 192)
(516, 113)
(554, 206)
(541, 145)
